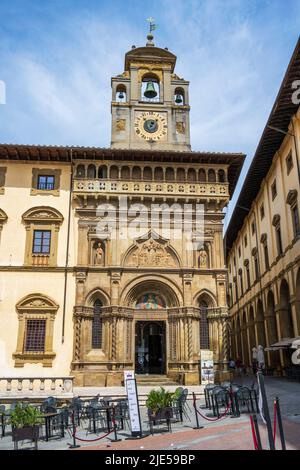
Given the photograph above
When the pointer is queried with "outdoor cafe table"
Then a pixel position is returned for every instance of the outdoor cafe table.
(107, 409)
(47, 417)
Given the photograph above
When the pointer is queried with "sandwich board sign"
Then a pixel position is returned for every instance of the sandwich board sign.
(128, 374)
(133, 406)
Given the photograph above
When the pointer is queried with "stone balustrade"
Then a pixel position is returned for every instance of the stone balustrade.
(37, 386)
(145, 188)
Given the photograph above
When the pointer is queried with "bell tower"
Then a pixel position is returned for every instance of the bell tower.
(150, 103)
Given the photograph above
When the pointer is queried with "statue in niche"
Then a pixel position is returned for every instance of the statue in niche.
(98, 253)
(202, 259)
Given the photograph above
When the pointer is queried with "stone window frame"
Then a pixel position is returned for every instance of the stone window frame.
(277, 225)
(3, 170)
(289, 162)
(292, 201)
(42, 218)
(3, 219)
(274, 189)
(36, 172)
(35, 307)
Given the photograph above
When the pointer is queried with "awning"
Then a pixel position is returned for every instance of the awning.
(282, 344)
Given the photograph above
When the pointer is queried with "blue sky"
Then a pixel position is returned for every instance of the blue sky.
(57, 57)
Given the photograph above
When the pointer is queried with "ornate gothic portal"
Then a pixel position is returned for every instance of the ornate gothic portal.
(146, 300)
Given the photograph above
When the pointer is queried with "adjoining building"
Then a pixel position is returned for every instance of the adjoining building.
(82, 295)
(263, 236)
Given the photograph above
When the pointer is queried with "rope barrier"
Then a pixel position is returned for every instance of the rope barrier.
(275, 421)
(253, 434)
(96, 439)
(212, 419)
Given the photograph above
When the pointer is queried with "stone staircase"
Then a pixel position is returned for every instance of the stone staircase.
(152, 380)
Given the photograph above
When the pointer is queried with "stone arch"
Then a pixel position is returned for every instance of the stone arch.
(163, 244)
(114, 172)
(260, 324)
(211, 176)
(239, 351)
(151, 284)
(204, 295)
(91, 171)
(251, 328)
(179, 92)
(285, 311)
(97, 294)
(158, 174)
(245, 347)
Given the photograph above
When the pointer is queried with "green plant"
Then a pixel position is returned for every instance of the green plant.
(26, 415)
(158, 399)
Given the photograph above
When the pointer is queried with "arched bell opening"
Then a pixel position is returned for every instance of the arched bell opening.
(179, 98)
(150, 88)
(121, 95)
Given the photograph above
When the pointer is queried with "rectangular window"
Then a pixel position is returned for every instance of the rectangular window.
(289, 163)
(262, 211)
(35, 336)
(266, 256)
(46, 182)
(274, 190)
(279, 241)
(245, 241)
(296, 223)
(253, 228)
(239, 251)
(256, 268)
(248, 277)
(241, 284)
(204, 329)
(41, 241)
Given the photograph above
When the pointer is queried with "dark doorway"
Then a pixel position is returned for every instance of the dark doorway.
(150, 346)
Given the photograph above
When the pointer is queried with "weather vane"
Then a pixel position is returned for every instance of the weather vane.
(152, 25)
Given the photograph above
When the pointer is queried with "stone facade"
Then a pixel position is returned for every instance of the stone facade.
(82, 296)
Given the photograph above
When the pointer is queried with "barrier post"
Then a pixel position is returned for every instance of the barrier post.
(196, 414)
(259, 446)
(279, 420)
(114, 427)
(74, 445)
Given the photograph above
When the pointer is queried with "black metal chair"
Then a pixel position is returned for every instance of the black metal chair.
(207, 393)
(222, 400)
(121, 414)
(162, 416)
(97, 417)
(247, 399)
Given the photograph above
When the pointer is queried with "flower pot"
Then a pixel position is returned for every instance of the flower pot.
(162, 413)
(27, 432)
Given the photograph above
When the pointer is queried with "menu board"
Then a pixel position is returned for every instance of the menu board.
(133, 405)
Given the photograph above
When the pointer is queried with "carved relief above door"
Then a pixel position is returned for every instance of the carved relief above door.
(154, 252)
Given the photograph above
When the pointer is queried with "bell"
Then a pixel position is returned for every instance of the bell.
(121, 95)
(150, 91)
(178, 99)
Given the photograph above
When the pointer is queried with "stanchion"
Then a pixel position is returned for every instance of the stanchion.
(74, 445)
(279, 420)
(115, 428)
(196, 414)
(259, 446)
(264, 408)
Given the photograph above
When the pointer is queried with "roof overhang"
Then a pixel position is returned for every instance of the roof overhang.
(270, 142)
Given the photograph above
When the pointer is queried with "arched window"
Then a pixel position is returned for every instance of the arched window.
(170, 174)
(202, 175)
(80, 171)
(179, 97)
(114, 173)
(121, 96)
(91, 172)
(204, 328)
(102, 172)
(97, 326)
(221, 175)
(211, 176)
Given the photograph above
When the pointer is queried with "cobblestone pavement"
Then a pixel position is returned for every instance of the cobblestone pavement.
(228, 433)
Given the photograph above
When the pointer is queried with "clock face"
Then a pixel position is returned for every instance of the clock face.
(151, 126)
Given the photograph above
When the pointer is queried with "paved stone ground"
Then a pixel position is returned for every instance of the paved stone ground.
(228, 433)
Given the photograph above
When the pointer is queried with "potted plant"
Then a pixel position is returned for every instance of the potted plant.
(25, 421)
(159, 404)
